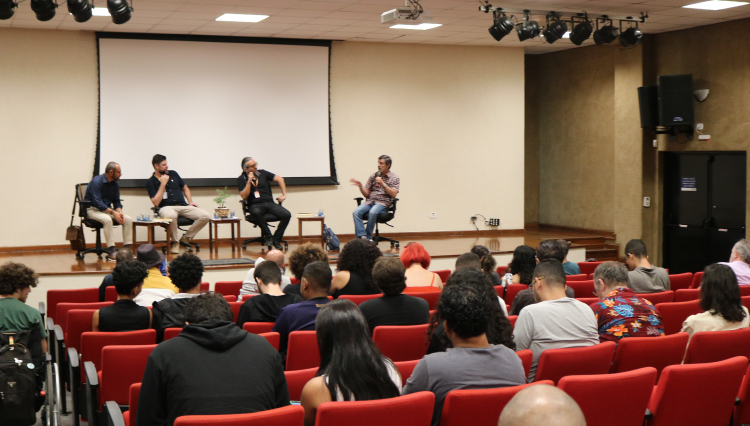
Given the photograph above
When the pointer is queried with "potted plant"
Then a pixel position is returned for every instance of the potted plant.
(221, 197)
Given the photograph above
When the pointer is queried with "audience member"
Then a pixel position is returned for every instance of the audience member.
(472, 363)
(156, 286)
(123, 255)
(721, 301)
(125, 314)
(468, 260)
(739, 260)
(570, 268)
(416, 260)
(557, 320)
(16, 282)
(266, 306)
(351, 366)
(521, 268)
(542, 405)
(548, 249)
(489, 266)
(316, 281)
(354, 269)
(186, 272)
(644, 277)
(212, 368)
(394, 307)
(250, 287)
(620, 312)
(304, 255)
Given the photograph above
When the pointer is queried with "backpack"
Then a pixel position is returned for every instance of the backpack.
(332, 241)
(18, 381)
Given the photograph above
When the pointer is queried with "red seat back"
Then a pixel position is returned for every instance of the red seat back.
(658, 352)
(204, 287)
(408, 410)
(587, 300)
(405, 368)
(555, 364)
(501, 270)
(511, 291)
(697, 279)
(746, 301)
(359, 298)
(633, 391)
(744, 290)
(687, 294)
(500, 291)
(675, 313)
(712, 346)
(171, 332)
(578, 277)
(130, 415)
(79, 322)
(660, 297)
(401, 342)
(292, 415)
(680, 281)
(482, 406)
(513, 319)
(258, 327)
(110, 294)
(697, 394)
(122, 366)
(293, 280)
(582, 288)
(92, 343)
(302, 351)
(273, 338)
(228, 288)
(742, 411)
(527, 358)
(296, 381)
(235, 306)
(82, 295)
(229, 298)
(431, 297)
(444, 274)
(64, 308)
(588, 267)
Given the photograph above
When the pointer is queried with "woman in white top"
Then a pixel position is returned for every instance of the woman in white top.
(351, 366)
(721, 301)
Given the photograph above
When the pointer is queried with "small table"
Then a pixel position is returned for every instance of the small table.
(213, 230)
(151, 224)
(320, 219)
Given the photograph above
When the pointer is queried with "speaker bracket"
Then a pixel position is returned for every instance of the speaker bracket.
(674, 131)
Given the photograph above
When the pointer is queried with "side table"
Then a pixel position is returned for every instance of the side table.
(213, 231)
(151, 224)
(320, 219)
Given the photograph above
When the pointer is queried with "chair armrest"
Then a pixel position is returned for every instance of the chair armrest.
(114, 414)
(42, 309)
(50, 323)
(91, 374)
(92, 392)
(59, 335)
(73, 359)
(359, 200)
(393, 205)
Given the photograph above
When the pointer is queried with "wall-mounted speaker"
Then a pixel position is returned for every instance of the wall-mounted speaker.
(676, 100)
(648, 101)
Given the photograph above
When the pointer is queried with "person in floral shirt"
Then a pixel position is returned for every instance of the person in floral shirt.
(620, 312)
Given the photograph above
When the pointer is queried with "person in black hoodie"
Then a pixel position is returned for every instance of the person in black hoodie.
(266, 306)
(186, 272)
(212, 367)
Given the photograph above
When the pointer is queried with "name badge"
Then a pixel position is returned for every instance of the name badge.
(257, 194)
(164, 196)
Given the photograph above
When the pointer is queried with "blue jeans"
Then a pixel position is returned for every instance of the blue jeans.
(372, 211)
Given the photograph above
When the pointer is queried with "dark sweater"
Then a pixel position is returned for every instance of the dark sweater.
(264, 308)
(395, 310)
(124, 315)
(211, 368)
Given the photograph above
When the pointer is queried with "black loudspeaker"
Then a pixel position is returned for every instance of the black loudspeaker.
(648, 101)
(676, 100)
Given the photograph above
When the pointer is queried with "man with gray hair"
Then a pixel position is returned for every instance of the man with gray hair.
(255, 188)
(104, 206)
(739, 260)
(620, 312)
(379, 191)
(542, 405)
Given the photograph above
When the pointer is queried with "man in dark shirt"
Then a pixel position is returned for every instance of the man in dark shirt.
(213, 367)
(103, 192)
(255, 187)
(166, 188)
(266, 306)
(316, 281)
(394, 307)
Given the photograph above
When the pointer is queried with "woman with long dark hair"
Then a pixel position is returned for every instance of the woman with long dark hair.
(521, 268)
(351, 367)
(720, 299)
(354, 269)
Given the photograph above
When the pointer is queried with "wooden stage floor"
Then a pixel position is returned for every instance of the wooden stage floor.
(64, 262)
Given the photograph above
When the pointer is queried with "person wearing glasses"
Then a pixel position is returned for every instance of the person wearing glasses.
(255, 187)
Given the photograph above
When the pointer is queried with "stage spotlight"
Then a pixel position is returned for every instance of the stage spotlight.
(44, 9)
(606, 34)
(630, 37)
(581, 31)
(80, 9)
(528, 29)
(120, 11)
(6, 9)
(556, 29)
(502, 25)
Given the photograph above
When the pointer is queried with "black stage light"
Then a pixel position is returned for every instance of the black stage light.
(581, 32)
(528, 29)
(120, 11)
(606, 34)
(6, 9)
(80, 9)
(631, 37)
(556, 29)
(501, 27)
(44, 9)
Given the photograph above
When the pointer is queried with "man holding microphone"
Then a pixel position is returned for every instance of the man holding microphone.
(379, 191)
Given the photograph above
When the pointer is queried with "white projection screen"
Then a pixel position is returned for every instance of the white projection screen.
(205, 103)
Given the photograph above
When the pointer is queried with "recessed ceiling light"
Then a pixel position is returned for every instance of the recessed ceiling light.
(424, 26)
(240, 17)
(716, 5)
(100, 11)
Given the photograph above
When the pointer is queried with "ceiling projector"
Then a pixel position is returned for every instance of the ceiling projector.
(405, 15)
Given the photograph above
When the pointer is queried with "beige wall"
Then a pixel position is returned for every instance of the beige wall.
(451, 117)
(531, 140)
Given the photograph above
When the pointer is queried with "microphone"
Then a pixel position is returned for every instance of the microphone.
(257, 174)
(378, 174)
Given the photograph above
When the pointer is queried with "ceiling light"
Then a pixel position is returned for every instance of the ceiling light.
(716, 5)
(502, 25)
(6, 9)
(44, 9)
(607, 33)
(80, 9)
(631, 36)
(120, 11)
(423, 26)
(556, 29)
(240, 17)
(100, 11)
(528, 29)
(582, 29)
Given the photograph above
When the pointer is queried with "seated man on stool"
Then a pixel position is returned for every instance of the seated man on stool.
(103, 192)
(255, 187)
(166, 188)
(379, 191)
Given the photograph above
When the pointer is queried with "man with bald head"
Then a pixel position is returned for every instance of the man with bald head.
(542, 405)
(104, 206)
(250, 285)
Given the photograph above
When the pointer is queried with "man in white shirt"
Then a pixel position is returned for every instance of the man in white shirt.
(250, 286)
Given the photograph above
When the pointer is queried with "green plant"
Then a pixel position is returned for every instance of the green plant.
(221, 197)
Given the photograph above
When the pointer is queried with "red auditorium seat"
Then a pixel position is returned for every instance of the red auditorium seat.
(555, 364)
(292, 415)
(273, 338)
(204, 287)
(674, 314)
(302, 352)
(588, 267)
(83, 295)
(587, 300)
(258, 327)
(633, 393)
(744, 290)
(680, 281)
(500, 291)
(359, 298)
(296, 381)
(746, 302)
(110, 294)
(127, 418)
(479, 407)
(527, 358)
(235, 306)
(401, 342)
(687, 294)
(228, 288)
(229, 299)
(501, 270)
(171, 332)
(511, 291)
(444, 274)
(513, 319)
(431, 297)
(712, 346)
(582, 288)
(579, 277)
(405, 368)
(408, 410)
(742, 411)
(697, 279)
(64, 308)
(659, 352)
(660, 297)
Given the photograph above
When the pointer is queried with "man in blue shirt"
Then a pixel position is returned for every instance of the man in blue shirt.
(103, 192)
(166, 189)
(316, 281)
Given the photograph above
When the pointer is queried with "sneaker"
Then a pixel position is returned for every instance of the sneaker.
(111, 253)
(185, 240)
(175, 248)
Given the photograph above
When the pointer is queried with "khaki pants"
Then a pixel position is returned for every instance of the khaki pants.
(106, 220)
(200, 216)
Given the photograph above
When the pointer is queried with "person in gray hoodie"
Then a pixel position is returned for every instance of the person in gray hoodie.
(212, 367)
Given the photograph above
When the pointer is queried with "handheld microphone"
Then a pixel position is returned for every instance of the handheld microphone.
(257, 174)
(378, 174)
